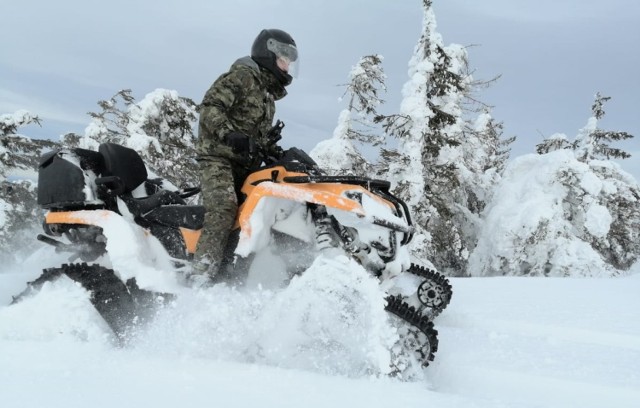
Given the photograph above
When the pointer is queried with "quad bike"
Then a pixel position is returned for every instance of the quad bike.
(288, 206)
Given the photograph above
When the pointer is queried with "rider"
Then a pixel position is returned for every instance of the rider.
(235, 116)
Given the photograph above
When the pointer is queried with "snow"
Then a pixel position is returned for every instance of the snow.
(16, 119)
(504, 342)
(526, 225)
(598, 220)
(335, 154)
(325, 340)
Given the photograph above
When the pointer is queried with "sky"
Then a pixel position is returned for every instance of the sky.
(59, 58)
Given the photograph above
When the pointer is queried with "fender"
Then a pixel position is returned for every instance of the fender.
(102, 218)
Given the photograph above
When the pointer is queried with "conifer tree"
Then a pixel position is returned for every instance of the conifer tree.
(496, 148)
(485, 154)
(620, 246)
(19, 156)
(592, 142)
(569, 211)
(341, 154)
(435, 162)
(9, 123)
(159, 127)
(557, 141)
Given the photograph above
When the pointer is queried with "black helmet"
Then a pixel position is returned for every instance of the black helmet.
(276, 51)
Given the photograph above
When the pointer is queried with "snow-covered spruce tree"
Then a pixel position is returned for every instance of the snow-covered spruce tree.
(592, 143)
(483, 154)
(618, 201)
(557, 141)
(19, 155)
(440, 153)
(9, 123)
(563, 212)
(340, 154)
(486, 153)
(159, 127)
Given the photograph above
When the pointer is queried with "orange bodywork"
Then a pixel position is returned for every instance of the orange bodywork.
(92, 217)
(95, 217)
(191, 238)
(270, 183)
(258, 185)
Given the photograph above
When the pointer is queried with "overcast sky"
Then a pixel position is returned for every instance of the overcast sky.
(58, 58)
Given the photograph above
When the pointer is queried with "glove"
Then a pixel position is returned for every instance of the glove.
(238, 141)
(276, 152)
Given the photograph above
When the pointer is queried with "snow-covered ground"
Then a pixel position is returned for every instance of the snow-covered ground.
(504, 342)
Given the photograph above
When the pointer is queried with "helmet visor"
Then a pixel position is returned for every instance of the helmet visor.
(288, 51)
(290, 67)
(286, 56)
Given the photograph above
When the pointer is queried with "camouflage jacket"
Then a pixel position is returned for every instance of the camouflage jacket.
(240, 100)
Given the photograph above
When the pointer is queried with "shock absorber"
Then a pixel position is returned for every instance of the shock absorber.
(325, 235)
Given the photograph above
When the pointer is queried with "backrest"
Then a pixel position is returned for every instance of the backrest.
(124, 163)
(62, 178)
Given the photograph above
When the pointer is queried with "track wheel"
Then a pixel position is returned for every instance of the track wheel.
(435, 291)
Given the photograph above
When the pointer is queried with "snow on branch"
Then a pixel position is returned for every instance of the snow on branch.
(9, 123)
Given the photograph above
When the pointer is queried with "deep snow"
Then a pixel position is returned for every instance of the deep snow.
(504, 342)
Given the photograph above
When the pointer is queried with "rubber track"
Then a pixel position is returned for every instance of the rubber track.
(109, 295)
(439, 279)
(395, 305)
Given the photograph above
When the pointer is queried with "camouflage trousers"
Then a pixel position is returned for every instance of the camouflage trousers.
(221, 204)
